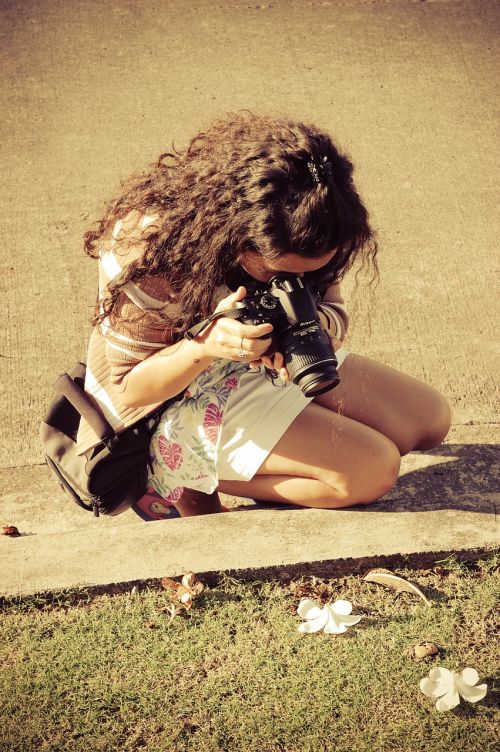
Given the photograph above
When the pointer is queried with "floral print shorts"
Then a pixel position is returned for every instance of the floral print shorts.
(183, 450)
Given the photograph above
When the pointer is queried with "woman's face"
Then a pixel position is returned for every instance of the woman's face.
(263, 269)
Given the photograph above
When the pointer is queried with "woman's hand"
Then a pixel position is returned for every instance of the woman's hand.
(231, 339)
(276, 360)
(276, 363)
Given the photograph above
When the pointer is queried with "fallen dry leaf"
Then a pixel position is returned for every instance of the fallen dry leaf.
(424, 650)
(169, 584)
(316, 589)
(399, 584)
(10, 530)
(186, 590)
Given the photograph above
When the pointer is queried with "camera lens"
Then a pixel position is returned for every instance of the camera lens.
(310, 360)
(316, 382)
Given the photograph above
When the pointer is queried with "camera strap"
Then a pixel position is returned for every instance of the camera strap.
(232, 313)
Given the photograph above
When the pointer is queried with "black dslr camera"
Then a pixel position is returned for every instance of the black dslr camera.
(290, 306)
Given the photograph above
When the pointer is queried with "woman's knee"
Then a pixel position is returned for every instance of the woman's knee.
(372, 475)
(385, 469)
(435, 423)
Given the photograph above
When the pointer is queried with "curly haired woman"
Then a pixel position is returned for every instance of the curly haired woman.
(249, 198)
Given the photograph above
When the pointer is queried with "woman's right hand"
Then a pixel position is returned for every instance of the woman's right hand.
(231, 339)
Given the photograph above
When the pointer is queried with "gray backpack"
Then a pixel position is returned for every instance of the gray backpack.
(111, 476)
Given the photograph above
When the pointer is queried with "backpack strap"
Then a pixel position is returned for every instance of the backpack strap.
(82, 404)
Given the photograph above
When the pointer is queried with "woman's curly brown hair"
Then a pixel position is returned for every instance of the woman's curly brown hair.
(243, 184)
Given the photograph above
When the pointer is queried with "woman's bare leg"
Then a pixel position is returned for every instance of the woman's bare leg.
(324, 460)
(410, 413)
(350, 458)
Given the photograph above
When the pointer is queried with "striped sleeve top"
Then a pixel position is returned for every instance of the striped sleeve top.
(134, 330)
(332, 313)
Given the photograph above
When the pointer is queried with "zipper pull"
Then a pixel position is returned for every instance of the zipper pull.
(95, 506)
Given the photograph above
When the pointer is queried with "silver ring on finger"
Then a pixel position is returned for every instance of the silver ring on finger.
(242, 353)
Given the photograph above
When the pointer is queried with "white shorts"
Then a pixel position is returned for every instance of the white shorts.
(257, 415)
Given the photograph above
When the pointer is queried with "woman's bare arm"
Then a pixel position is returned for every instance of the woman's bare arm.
(170, 370)
(165, 374)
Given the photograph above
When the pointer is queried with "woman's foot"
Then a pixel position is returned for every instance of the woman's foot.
(193, 503)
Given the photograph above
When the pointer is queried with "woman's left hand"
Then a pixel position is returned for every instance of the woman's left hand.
(275, 362)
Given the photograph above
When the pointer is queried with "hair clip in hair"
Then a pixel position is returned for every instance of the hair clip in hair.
(314, 171)
(320, 172)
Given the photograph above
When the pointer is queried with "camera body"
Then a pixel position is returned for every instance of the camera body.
(290, 306)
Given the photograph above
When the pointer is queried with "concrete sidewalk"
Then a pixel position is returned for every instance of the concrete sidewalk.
(444, 503)
(93, 93)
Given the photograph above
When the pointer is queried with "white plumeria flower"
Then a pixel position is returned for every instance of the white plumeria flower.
(334, 618)
(449, 686)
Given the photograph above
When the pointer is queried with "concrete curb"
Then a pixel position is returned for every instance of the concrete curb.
(267, 540)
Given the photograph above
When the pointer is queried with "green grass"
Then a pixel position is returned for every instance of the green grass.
(112, 672)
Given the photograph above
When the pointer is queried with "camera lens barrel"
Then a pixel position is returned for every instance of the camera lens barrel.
(311, 365)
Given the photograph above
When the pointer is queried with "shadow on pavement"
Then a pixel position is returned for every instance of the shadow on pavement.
(453, 476)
